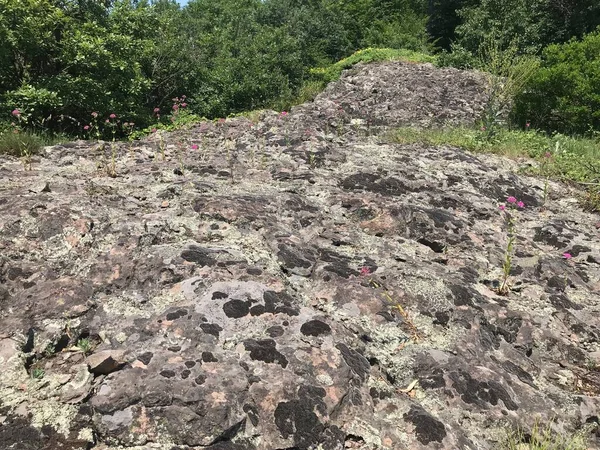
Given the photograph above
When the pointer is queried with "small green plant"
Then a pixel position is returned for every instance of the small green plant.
(50, 349)
(128, 128)
(85, 345)
(510, 210)
(38, 373)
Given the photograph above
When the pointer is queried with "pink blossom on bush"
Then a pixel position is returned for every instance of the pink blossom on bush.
(94, 114)
(502, 207)
(521, 204)
(16, 113)
(113, 116)
(87, 127)
(183, 105)
(511, 199)
(156, 110)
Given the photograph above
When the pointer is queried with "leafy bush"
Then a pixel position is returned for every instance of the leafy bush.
(564, 95)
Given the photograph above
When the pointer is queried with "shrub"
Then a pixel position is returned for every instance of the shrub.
(564, 95)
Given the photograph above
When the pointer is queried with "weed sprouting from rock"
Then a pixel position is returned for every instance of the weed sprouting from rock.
(38, 373)
(85, 345)
(365, 271)
(510, 210)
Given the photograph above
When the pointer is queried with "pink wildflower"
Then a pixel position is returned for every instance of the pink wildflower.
(527, 125)
(175, 107)
(183, 105)
(113, 116)
(183, 97)
(364, 271)
(521, 204)
(87, 127)
(16, 113)
(284, 113)
(154, 130)
(156, 110)
(195, 147)
(94, 114)
(502, 207)
(107, 121)
(511, 199)
(567, 255)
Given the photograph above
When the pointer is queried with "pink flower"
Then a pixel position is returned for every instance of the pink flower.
(113, 116)
(16, 113)
(527, 125)
(94, 115)
(183, 97)
(511, 199)
(364, 271)
(502, 207)
(284, 113)
(567, 255)
(175, 107)
(195, 147)
(156, 110)
(107, 121)
(87, 127)
(183, 105)
(154, 130)
(521, 204)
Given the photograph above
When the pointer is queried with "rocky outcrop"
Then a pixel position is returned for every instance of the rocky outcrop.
(294, 283)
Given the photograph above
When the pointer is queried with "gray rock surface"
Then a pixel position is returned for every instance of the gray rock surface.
(295, 283)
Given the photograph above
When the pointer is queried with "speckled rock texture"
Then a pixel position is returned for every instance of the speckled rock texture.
(295, 283)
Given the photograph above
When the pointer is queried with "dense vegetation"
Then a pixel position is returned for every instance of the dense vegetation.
(62, 60)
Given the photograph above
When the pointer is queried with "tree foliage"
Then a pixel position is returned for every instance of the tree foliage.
(61, 60)
(564, 95)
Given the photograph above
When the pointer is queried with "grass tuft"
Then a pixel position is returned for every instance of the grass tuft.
(543, 437)
(560, 157)
(16, 144)
(333, 72)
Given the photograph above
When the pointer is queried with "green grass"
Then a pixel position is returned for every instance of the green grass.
(544, 438)
(560, 157)
(15, 144)
(333, 72)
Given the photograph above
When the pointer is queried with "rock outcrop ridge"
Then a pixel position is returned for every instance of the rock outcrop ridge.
(294, 283)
